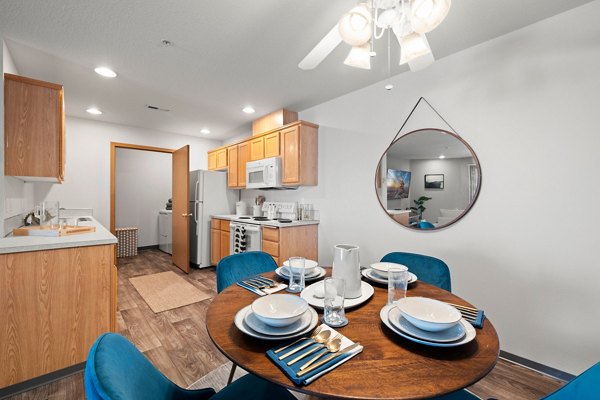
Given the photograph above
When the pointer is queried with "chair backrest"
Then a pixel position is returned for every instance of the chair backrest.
(236, 267)
(584, 387)
(428, 269)
(116, 370)
(426, 225)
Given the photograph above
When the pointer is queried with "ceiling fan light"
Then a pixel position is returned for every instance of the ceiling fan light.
(359, 57)
(413, 46)
(355, 25)
(426, 15)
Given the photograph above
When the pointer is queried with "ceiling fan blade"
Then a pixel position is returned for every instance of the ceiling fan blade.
(322, 49)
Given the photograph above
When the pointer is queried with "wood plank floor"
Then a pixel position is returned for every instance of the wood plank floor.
(177, 342)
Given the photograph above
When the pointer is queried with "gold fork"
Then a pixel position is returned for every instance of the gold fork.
(312, 335)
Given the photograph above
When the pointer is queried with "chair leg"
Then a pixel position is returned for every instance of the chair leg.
(231, 373)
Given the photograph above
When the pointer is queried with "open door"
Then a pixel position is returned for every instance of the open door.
(181, 212)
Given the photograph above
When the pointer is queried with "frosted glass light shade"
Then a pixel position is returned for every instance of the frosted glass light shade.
(419, 63)
(359, 57)
(413, 46)
(426, 15)
(355, 25)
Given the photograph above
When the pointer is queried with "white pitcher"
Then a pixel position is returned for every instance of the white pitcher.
(346, 266)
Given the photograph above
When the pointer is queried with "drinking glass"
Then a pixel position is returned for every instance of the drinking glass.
(296, 273)
(333, 314)
(398, 278)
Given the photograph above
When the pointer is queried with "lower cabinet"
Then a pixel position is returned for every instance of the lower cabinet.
(296, 241)
(219, 240)
(53, 306)
(280, 243)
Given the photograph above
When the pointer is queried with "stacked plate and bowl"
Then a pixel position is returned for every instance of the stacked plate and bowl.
(312, 271)
(277, 316)
(427, 321)
(378, 272)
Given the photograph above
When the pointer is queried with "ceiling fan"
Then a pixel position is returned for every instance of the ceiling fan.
(409, 20)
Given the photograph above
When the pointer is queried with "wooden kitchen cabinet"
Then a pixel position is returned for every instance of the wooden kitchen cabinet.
(34, 129)
(53, 306)
(294, 241)
(257, 148)
(217, 159)
(272, 145)
(232, 167)
(295, 143)
(220, 236)
(212, 160)
(243, 158)
(299, 154)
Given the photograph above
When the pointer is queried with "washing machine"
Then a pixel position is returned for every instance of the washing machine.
(165, 228)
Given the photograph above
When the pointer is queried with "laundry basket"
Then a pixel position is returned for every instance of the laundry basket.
(128, 242)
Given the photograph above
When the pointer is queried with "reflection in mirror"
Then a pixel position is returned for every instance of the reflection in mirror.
(428, 179)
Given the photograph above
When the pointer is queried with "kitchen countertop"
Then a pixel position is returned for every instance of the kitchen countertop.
(268, 223)
(20, 244)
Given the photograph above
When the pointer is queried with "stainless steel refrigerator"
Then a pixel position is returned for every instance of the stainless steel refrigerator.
(208, 196)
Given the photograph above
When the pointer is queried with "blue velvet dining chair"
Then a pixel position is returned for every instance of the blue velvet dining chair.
(116, 370)
(426, 225)
(428, 269)
(236, 267)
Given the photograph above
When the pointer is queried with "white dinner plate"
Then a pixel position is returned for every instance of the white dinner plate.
(371, 275)
(256, 324)
(447, 335)
(308, 294)
(469, 331)
(317, 274)
(243, 326)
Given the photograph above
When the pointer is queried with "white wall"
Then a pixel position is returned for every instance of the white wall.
(142, 187)
(455, 194)
(87, 173)
(527, 103)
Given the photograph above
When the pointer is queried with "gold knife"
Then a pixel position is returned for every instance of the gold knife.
(327, 359)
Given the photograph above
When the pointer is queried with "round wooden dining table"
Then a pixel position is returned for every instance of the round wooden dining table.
(389, 367)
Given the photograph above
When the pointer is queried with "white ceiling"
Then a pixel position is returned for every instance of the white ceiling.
(227, 54)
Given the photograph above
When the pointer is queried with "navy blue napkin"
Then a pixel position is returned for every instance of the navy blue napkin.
(291, 370)
(478, 322)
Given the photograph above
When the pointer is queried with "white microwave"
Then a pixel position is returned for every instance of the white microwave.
(264, 174)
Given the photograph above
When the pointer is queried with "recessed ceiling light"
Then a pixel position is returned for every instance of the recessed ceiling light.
(204, 131)
(248, 110)
(442, 157)
(94, 111)
(105, 71)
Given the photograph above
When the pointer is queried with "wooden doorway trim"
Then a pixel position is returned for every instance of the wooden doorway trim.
(113, 149)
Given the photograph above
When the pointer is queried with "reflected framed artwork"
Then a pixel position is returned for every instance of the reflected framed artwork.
(434, 181)
(398, 184)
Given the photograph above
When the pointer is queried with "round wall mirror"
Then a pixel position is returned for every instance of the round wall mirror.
(428, 179)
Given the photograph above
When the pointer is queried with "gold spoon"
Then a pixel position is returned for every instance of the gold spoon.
(317, 347)
(320, 338)
(331, 347)
(312, 335)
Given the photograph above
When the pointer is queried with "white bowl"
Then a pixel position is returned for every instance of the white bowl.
(279, 310)
(381, 268)
(428, 314)
(309, 266)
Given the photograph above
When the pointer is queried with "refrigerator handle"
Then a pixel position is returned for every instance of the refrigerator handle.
(196, 190)
(196, 212)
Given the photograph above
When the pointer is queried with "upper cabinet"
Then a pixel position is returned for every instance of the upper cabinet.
(217, 159)
(295, 143)
(34, 129)
(299, 154)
